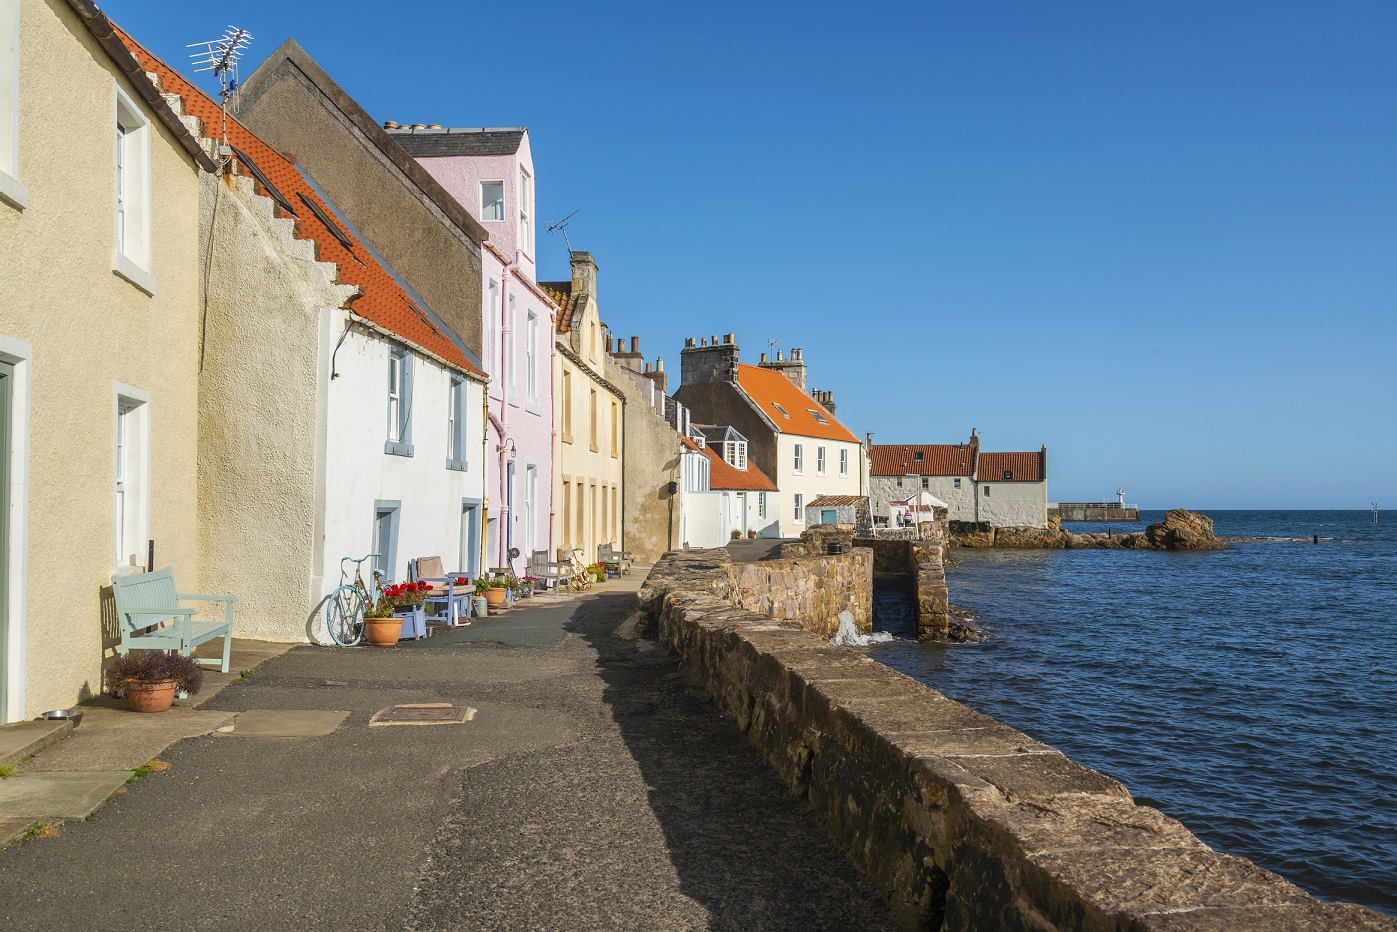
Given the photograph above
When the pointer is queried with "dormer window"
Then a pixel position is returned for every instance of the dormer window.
(818, 416)
(735, 453)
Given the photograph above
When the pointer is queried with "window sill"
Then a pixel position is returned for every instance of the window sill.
(133, 273)
(13, 193)
(456, 465)
(397, 449)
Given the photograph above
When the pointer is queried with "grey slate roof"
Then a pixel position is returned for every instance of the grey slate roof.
(430, 143)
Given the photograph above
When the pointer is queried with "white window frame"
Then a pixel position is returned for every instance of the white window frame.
(18, 355)
(800, 508)
(492, 328)
(456, 424)
(735, 454)
(820, 460)
(512, 342)
(530, 509)
(798, 465)
(531, 357)
(12, 192)
(399, 398)
(484, 218)
(526, 211)
(131, 135)
(130, 478)
(761, 505)
(843, 462)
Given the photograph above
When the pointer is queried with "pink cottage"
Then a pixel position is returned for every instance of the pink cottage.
(491, 173)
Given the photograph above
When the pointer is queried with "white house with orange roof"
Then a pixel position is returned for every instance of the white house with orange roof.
(338, 415)
(792, 435)
(1003, 489)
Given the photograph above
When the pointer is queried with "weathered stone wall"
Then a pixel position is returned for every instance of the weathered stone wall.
(960, 821)
(920, 562)
(810, 591)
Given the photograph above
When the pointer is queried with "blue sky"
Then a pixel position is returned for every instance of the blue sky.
(1160, 239)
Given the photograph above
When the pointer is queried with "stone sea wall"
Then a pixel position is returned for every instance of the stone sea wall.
(1180, 530)
(961, 822)
(808, 590)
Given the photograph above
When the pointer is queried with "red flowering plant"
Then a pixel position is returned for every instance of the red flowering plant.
(409, 594)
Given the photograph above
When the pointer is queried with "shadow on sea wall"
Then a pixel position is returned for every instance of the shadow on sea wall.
(959, 820)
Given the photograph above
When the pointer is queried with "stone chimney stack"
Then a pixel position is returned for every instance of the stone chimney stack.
(658, 376)
(584, 273)
(823, 398)
(631, 360)
(793, 368)
(700, 363)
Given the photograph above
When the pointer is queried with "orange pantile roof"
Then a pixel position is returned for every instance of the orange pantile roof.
(833, 501)
(382, 301)
(768, 389)
(724, 477)
(937, 459)
(1021, 467)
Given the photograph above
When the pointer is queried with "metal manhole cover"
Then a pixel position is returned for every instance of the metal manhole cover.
(424, 713)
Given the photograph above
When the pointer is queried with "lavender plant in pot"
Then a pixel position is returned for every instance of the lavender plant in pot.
(150, 678)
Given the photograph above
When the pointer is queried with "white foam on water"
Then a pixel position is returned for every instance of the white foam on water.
(848, 635)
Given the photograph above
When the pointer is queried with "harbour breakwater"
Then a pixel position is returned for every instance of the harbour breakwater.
(1180, 530)
(959, 820)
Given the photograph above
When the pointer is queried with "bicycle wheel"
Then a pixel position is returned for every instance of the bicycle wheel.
(344, 616)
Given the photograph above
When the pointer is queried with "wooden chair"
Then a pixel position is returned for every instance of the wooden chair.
(146, 601)
(448, 602)
(609, 558)
(548, 574)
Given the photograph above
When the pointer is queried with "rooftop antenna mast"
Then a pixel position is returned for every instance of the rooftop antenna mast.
(221, 57)
(561, 226)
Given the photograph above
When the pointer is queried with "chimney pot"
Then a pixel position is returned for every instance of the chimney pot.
(433, 126)
(390, 124)
(763, 357)
(635, 344)
(688, 341)
(715, 339)
(660, 364)
(729, 337)
(647, 368)
(417, 126)
(703, 341)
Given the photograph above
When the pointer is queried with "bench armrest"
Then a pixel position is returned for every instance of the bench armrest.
(164, 612)
(206, 598)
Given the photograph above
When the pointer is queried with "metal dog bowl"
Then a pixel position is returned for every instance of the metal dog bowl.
(63, 715)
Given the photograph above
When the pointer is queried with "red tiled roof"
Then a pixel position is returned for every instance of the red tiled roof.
(1022, 467)
(383, 301)
(831, 501)
(769, 388)
(724, 477)
(938, 459)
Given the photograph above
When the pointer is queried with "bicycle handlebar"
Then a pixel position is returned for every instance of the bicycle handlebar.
(366, 556)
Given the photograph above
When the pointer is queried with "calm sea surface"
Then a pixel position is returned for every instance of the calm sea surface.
(1251, 694)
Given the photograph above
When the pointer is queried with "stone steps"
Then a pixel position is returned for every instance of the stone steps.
(25, 739)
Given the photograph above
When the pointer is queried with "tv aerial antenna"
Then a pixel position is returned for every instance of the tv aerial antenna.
(561, 226)
(221, 57)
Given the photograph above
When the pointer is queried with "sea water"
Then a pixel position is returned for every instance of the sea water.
(1250, 693)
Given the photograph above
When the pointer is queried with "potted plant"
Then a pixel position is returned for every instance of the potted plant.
(407, 605)
(598, 571)
(382, 628)
(526, 587)
(736, 535)
(150, 678)
(751, 535)
(496, 592)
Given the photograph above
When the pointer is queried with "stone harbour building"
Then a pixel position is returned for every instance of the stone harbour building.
(1003, 489)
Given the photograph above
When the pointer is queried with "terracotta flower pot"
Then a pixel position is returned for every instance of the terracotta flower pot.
(383, 632)
(495, 597)
(150, 697)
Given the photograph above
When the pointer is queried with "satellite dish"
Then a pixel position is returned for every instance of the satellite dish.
(514, 553)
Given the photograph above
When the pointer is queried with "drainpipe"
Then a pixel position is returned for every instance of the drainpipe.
(553, 451)
(506, 530)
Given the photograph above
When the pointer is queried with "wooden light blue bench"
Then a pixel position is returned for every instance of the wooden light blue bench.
(145, 601)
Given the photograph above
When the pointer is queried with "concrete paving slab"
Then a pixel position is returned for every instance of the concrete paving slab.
(285, 723)
(13, 829)
(58, 795)
(119, 739)
(25, 739)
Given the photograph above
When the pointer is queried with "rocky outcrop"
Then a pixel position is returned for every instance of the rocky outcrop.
(1183, 530)
(1180, 530)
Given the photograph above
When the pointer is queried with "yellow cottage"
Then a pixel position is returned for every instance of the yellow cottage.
(99, 344)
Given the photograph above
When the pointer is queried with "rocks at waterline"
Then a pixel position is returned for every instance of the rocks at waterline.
(1180, 530)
